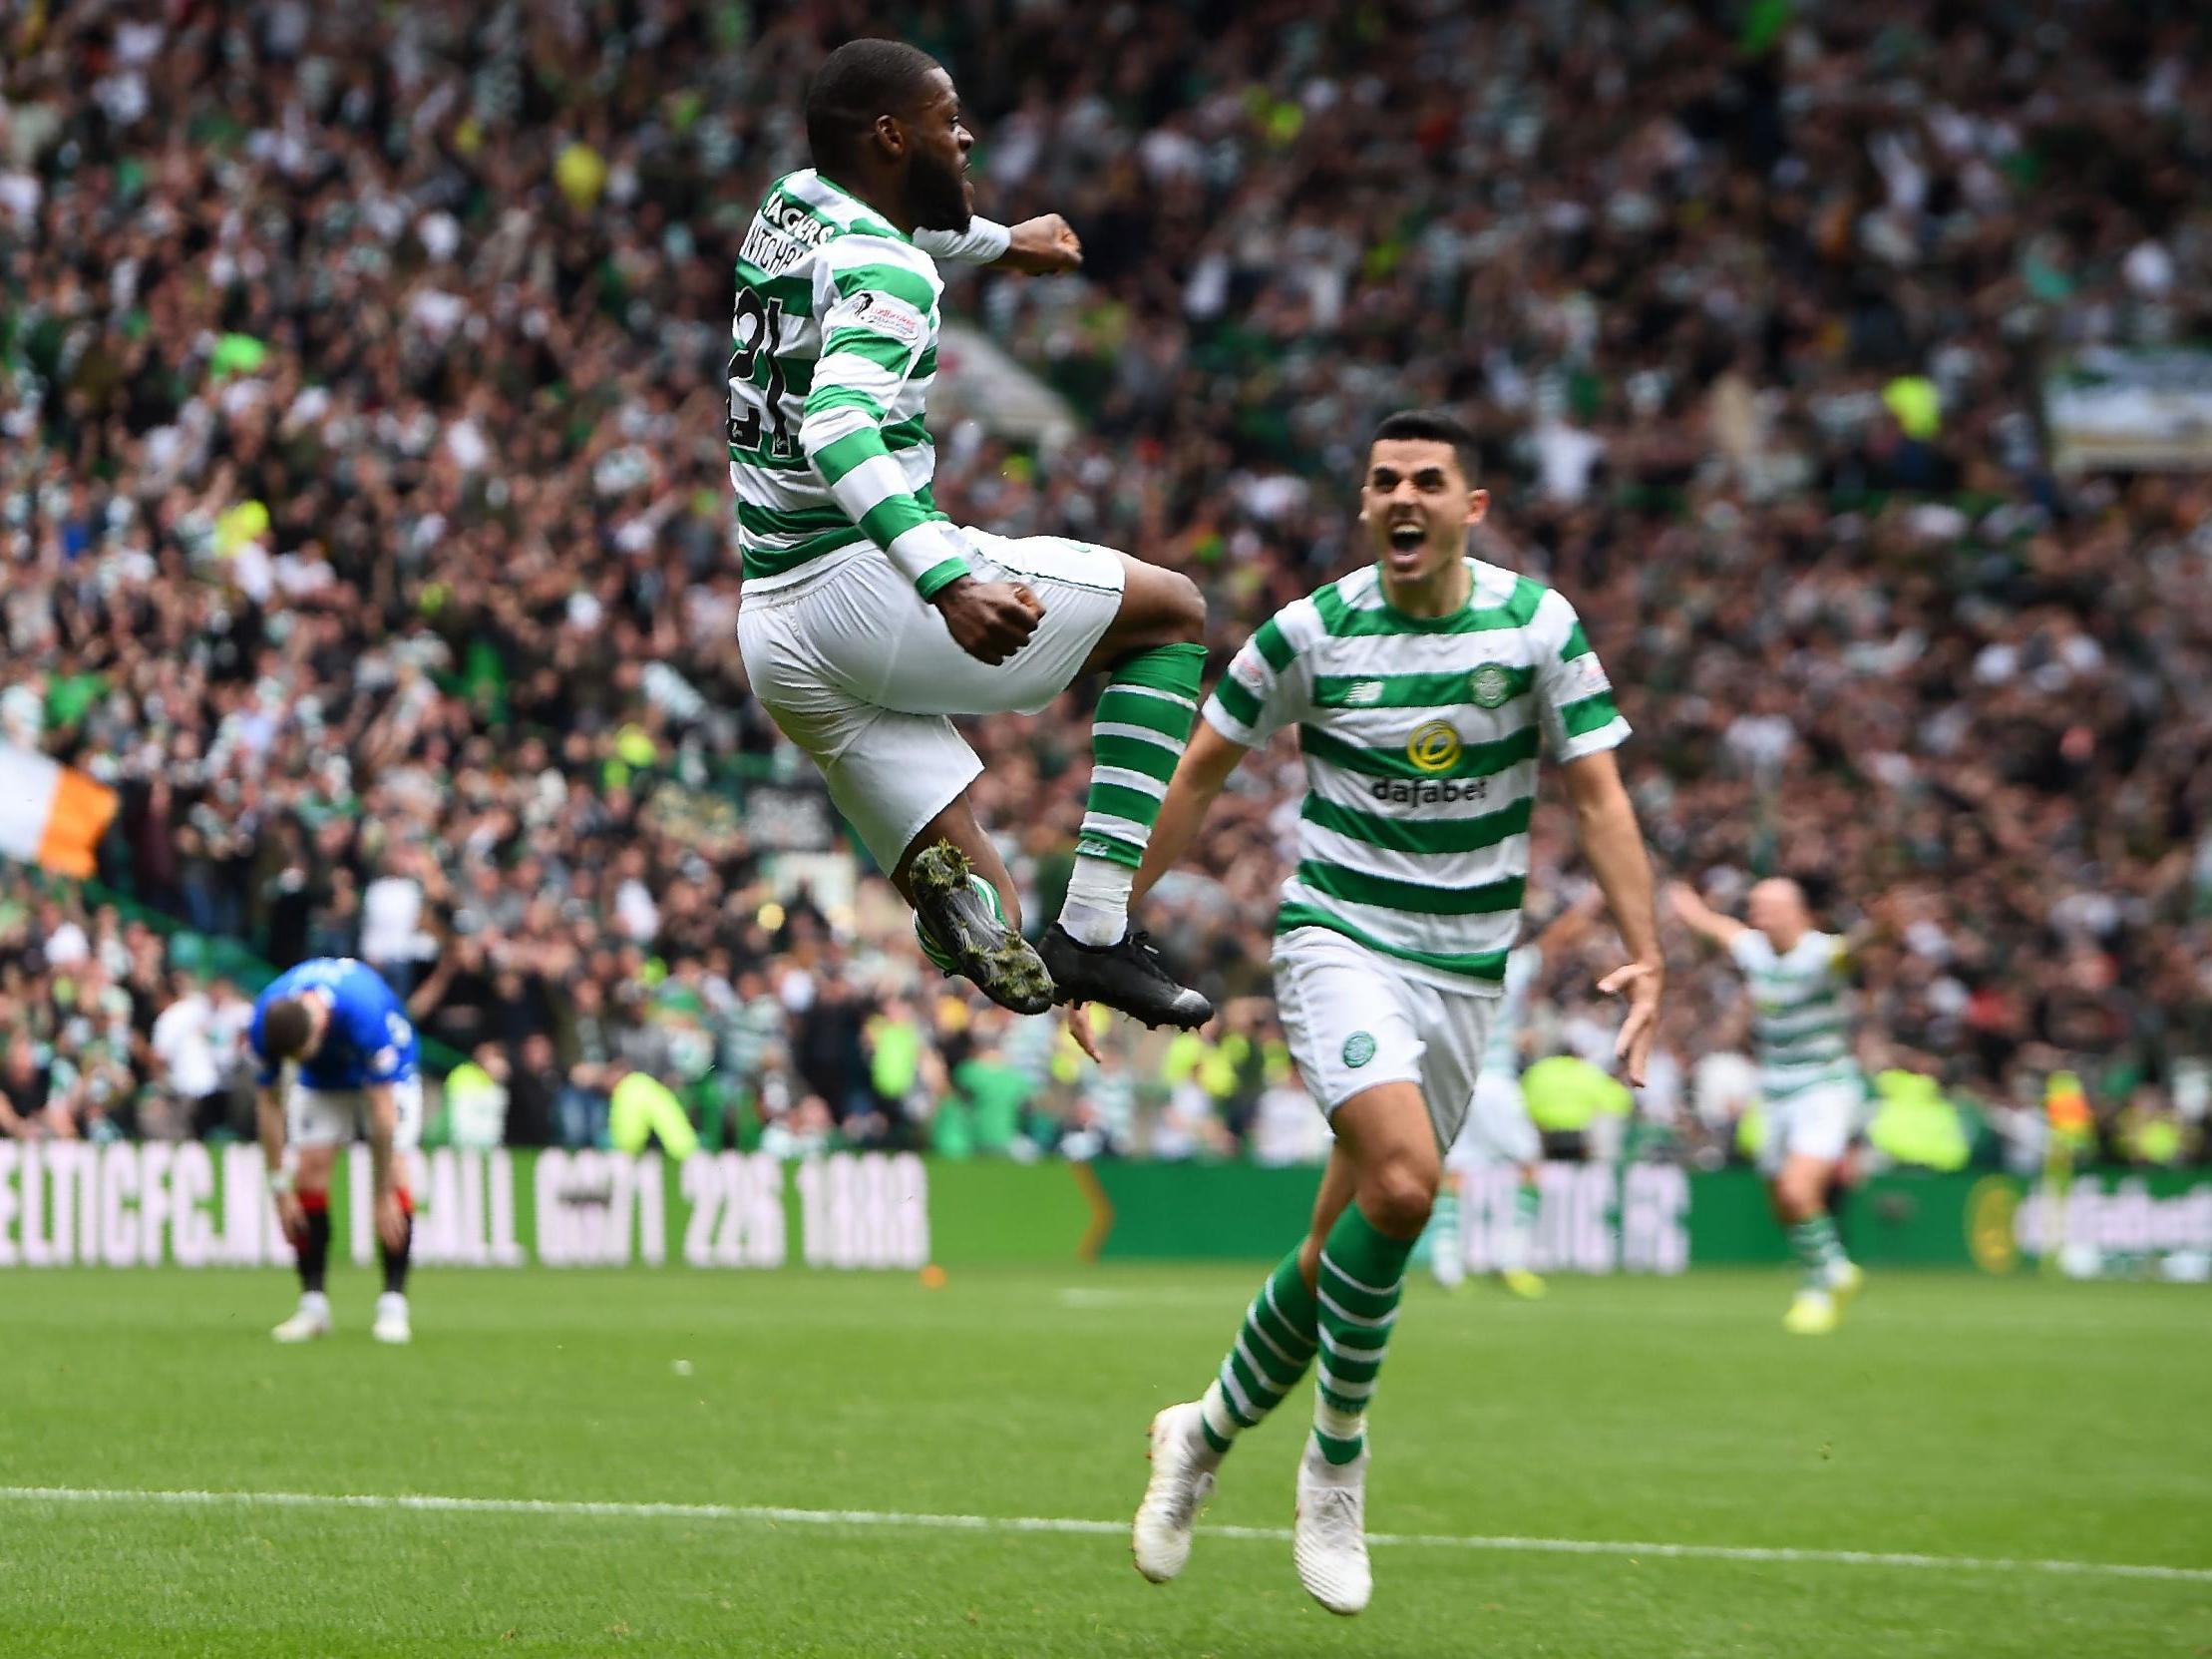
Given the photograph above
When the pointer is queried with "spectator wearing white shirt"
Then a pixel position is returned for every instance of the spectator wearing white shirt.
(183, 1041)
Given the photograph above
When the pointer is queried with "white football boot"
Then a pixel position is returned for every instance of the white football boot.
(391, 1319)
(312, 1321)
(1328, 1540)
(1181, 1480)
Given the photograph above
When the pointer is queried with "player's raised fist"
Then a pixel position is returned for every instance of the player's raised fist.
(991, 620)
(1043, 246)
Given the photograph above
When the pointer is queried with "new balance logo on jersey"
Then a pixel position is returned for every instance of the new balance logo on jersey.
(1363, 694)
(1406, 792)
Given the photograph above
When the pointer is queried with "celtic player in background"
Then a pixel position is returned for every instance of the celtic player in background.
(1423, 688)
(1810, 1087)
(1498, 1130)
(869, 618)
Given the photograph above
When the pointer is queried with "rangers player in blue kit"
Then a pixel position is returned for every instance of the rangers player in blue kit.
(355, 1067)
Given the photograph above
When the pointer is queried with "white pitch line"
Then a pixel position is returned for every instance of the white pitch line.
(776, 1514)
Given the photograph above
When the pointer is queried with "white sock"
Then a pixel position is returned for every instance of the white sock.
(315, 1302)
(1335, 1424)
(1097, 909)
(1317, 1466)
(389, 1299)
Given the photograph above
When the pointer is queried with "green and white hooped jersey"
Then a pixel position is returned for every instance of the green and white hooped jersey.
(1800, 1010)
(1421, 736)
(833, 350)
(1501, 1055)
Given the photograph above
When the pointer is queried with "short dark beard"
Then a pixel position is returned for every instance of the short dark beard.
(936, 195)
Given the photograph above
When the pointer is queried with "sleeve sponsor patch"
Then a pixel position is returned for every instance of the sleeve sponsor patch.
(1582, 677)
(878, 314)
(384, 1062)
(1248, 669)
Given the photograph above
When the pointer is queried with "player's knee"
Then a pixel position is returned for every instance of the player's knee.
(1161, 606)
(1183, 610)
(1798, 1196)
(1399, 1196)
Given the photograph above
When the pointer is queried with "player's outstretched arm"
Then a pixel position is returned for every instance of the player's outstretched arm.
(1199, 777)
(1700, 918)
(1879, 925)
(874, 302)
(1040, 247)
(1610, 837)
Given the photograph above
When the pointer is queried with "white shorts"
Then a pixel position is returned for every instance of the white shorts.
(1815, 1123)
(1498, 1127)
(860, 672)
(333, 1117)
(1354, 1020)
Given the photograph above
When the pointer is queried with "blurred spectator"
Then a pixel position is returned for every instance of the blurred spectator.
(27, 1095)
(185, 1039)
(364, 521)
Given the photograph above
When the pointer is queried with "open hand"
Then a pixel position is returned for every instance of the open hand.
(991, 620)
(1642, 982)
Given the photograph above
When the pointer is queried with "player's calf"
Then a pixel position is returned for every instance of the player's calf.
(1138, 734)
(1154, 665)
(392, 1322)
(1830, 1276)
(310, 1237)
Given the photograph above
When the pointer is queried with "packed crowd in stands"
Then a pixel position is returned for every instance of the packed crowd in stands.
(364, 519)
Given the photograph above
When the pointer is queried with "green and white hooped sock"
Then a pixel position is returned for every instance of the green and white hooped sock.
(1362, 1273)
(1138, 734)
(937, 952)
(1818, 1250)
(1277, 1343)
(1528, 1200)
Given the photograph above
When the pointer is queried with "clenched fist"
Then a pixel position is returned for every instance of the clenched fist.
(1043, 246)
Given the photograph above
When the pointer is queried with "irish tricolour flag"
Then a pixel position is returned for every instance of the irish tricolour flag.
(49, 814)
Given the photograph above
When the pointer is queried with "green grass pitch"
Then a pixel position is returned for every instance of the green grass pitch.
(2014, 1423)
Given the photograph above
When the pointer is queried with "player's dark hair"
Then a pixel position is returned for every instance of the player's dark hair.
(285, 1027)
(1435, 426)
(857, 83)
